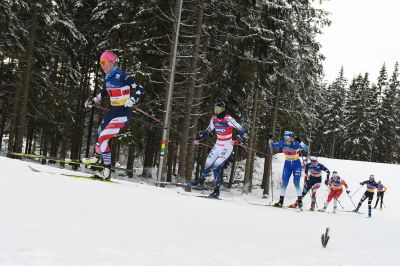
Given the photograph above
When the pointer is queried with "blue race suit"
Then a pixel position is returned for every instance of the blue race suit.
(292, 163)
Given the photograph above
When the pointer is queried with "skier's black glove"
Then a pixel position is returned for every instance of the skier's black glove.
(297, 139)
(200, 135)
(362, 183)
(269, 136)
(348, 191)
(326, 181)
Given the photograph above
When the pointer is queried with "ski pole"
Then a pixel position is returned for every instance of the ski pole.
(339, 203)
(351, 200)
(356, 191)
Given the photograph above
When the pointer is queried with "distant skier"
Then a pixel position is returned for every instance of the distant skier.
(335, 185)
(223, 124)
(124, 92)
(313, 181)
(291, 148)
(369, 193)
(381, 189)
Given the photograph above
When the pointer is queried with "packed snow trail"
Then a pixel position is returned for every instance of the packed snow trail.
(48, 219)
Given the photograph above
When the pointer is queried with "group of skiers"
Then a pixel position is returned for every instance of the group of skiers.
(125, 92)
(292, 146)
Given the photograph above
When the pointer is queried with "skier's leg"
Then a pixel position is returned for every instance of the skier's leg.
(370, 198)
(285, 180)
(111, 130)
(314, 189)
(212, 156)
(220, 162)
(377, 200)
(382, 193)
(361, 201)
(296, 178)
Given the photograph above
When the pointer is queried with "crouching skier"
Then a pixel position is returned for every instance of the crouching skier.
(369, 193)
(313, 181)
(335, 185)
(223, 125)
(291, 147)
(124, 92)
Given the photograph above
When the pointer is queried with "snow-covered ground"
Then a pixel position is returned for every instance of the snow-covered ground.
(48, 219)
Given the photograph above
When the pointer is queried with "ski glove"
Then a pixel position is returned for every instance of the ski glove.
(362, 183)
(270, 142)
(200, 135)
(131, 102)
(243, 136)
(297, 139)
(95, 100)
(347, 191)
(326, 181)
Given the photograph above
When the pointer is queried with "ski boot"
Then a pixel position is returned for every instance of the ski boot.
(355, 210)
(298, 203)
(334, 209)
(279, 204)
(105, 173)
(312, 208)
(215, 193)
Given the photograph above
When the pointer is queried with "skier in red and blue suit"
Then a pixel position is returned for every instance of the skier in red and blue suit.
(124, 92)
(369, 193)
(223, 124)
(313, 181)
(291, 147)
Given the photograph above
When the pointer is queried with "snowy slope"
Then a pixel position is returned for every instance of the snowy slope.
(50, 219)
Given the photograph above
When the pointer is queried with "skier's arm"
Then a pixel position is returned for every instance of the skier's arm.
(206, 132)
(96, 99)
(328, 173)
(363, 183)
(129, 81)
(346, 186)
(277, 145)
(235, 124)
(306, 170)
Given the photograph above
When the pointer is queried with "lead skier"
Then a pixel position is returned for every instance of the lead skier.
(124, 92)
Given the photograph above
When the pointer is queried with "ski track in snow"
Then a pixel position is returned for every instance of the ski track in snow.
(48, 219)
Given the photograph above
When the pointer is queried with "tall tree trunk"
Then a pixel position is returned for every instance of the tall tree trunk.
(190, 92)
(131, 159)
(149, 153)
(171, 158)
(252, 139)
(23, 92)
(268, 159)
(21, 129)
(91, 118)
(2, 126)
(171, 57)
